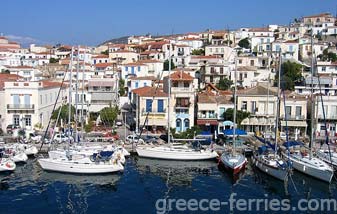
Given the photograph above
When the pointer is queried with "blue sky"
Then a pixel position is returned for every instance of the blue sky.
(91, 22)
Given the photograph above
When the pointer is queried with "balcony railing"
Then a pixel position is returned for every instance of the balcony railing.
(334, 117)
(293, 117)
(207, 116)
(20, 106)
(154, 112)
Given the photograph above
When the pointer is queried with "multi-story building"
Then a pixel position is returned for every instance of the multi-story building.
(329, 116)
(150, 106)
(182, 100)
(30, 104)
(102, 93)
(260, 101)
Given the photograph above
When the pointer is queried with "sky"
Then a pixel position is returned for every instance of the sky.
(91, 22)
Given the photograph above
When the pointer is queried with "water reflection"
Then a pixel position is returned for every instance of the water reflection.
(176, 173)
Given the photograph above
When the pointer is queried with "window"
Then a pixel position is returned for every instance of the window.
(16, 99)
(186, 84)
(221, 70)
(182, 102)
(160, 105)
(138, 68)
(148, 105)
(323, 68)
(178, 125)
(187, 123)
(298, 112)
(175, 84)
(145, 84)
(136, 84)
(16, 120)
(28, 120)
(212, 70)
(288, 111)
(41, 100)
(253, 105)
(245, 75)
(240, 61)
(27, 99)
(126, 68)
(251, 62)
(244, 106)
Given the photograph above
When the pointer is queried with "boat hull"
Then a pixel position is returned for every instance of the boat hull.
(21, 157)
(79, 168)
(7, 165)
(168, 154)
(324, 175)
(233, 168)
(278, 173)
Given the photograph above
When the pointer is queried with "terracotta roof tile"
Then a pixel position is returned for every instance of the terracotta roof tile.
(149, 92)
(180, 75)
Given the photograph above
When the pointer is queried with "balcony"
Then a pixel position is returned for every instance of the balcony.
(293, 117)
(208, 116)
(20, 106)
(181, 89)
(327, 117)
(155, 113)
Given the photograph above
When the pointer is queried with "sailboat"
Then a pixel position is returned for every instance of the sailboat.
(266, 158)
(233, 161)
(304, 162)
(80, 162)
(172, 151)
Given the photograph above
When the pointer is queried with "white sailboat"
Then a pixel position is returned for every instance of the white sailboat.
(330, 157)
(71, 161)
(266, 160)
(171, 151)
(233, 161)
(304, 162)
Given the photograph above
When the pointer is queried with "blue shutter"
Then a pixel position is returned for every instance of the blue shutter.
(126, 68)
(160, 105)
(148, 105)
(132, 70)
(136, 85)
(138, 68)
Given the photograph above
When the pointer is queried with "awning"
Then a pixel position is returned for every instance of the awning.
(207, 122)
(227, 123)
(294, 123)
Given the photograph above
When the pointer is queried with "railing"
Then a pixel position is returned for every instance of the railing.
(154, 112)
(293, 117)
(320, 116)
(21, 106)
(181, 89)
(207, 116)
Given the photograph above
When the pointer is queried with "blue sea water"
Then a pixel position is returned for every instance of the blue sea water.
(31, 190)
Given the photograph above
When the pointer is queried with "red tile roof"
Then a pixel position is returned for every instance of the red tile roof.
(180, 75)
(100, 56)
(103, 65)
(51, 84)
(135, 64)
(150, 92)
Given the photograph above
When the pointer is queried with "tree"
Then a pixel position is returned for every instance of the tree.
(224, 84)
(244, 43)
(328, 56)
(291, 73)
(198, 52)
(121, 90)
(240, 115)
(188, 134)
(109, 115)
(166, 65)
(53, 60)
(106, 52)
(5, 71)
(64, 113)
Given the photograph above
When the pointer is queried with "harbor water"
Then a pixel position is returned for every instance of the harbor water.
(29, 189)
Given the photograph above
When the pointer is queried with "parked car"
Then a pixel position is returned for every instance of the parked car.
(149, 139)
(60, 138)
(134, 139)
(10, 128)
(119, 123)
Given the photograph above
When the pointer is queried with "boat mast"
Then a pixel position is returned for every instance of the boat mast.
(278, 101)
(76, 93)
(312, 97)
(234, 112)
(70, 91)
(169, 96)
(82, 103)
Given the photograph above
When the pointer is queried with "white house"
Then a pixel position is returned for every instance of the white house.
(30, 104)
(27, 72)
